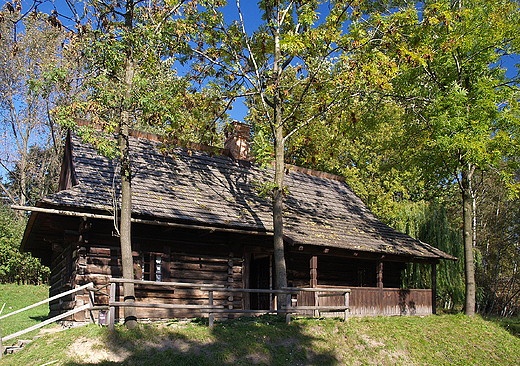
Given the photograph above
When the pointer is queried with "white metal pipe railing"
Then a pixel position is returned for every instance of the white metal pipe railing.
(88, 286)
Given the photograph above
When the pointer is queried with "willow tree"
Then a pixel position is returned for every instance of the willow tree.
(461, 107)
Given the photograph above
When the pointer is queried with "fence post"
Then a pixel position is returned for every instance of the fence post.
(347, 304)
(210, 295)
(1, 348)
(112, 309)
(288, 308)
(317, 302)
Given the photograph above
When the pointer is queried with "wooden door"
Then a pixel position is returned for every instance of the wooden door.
(261, 279)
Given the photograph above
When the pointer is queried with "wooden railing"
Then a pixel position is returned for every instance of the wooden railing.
(210, 308)
(90, 305)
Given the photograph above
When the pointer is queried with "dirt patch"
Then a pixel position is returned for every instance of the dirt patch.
(372, 343)
(315, 330)
(51, 330)
(257, 358)
(93, 351)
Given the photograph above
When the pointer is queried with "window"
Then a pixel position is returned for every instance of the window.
(151, 264)
(362, 277)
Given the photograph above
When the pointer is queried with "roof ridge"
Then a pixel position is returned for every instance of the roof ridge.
(160, 138)
(211, 149)
(316, 173)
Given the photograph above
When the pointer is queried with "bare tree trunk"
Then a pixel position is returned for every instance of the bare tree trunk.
(126, 186)
(23, 176)
(467, 208)
(279, 255)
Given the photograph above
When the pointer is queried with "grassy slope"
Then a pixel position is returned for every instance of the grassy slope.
(432, 340)
(17, 297)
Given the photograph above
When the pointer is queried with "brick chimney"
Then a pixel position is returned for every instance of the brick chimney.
(238, 140)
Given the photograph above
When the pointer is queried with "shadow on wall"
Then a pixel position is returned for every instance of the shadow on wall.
(406, 307)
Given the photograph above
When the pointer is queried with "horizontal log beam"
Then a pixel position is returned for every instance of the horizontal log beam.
(165, 306)
(318, 289)
(139, 221)
(172, 284)
(322, 308)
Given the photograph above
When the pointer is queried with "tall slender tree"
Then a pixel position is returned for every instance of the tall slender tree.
(295, 69)
(31, 48)
(461, 108)
(129, 54)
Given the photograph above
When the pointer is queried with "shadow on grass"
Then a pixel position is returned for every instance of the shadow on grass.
(39, 318)
(267, 340)
(512, 325)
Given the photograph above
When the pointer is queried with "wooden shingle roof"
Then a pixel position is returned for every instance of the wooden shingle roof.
(195, 187)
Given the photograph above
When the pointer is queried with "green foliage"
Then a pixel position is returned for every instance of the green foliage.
(262, 149)
(429, 223)
(16, 267)
(464, 105)
(157, 99)
(464, 115)
(498, 228)
(362, 146)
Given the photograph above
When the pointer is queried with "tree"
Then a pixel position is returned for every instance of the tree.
(130, 82)
(497, 220)
(42, 172)
(296, 69)
(16, 267)
(362, 149)
(461, 107)
(30, 50)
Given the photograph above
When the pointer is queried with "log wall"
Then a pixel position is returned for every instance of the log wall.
(98, 258)
(92, 254)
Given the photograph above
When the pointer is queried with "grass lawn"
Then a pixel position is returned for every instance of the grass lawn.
(17, 297)
(430, 340)
(268, 340)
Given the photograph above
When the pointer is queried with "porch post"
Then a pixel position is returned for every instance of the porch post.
(380, 285)
(314, 271)
(246, 274)
(434, 288)
(314, 280)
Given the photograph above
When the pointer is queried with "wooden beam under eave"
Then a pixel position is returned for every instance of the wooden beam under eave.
(349, 253)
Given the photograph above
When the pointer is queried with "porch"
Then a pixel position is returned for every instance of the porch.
(331, 301)
(372, 301)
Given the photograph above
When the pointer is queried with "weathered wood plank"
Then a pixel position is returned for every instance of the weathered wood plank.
(190, 266)
(199, 275)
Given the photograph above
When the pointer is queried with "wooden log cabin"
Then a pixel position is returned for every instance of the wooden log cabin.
(199, 218)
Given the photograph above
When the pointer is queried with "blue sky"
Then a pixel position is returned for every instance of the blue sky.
(252, 19)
